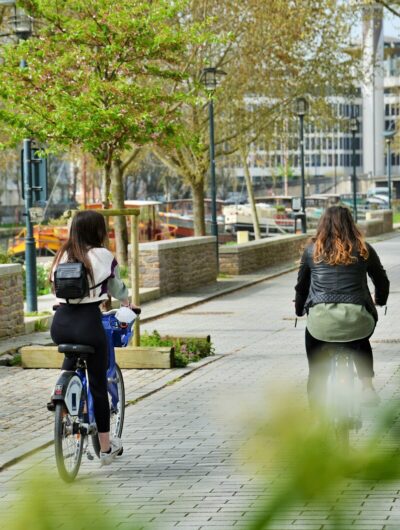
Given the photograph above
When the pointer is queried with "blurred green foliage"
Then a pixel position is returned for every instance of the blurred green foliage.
(313, 466)
(294, 453)
(47, 503)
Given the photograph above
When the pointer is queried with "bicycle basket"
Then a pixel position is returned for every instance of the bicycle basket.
(117, 336)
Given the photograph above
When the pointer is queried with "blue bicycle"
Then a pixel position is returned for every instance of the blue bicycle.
(73, 404)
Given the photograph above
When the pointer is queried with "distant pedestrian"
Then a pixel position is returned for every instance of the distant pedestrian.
(332, 289)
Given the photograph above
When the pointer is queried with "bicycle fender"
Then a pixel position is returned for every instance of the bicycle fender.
(68, 389)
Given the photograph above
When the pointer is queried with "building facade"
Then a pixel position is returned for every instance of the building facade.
(329, 150)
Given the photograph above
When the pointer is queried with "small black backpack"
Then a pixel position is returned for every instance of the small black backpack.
(71, 281)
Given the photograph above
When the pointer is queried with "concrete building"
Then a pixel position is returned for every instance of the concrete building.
(328, 152)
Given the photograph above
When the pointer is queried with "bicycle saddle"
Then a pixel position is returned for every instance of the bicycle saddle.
(75, 349)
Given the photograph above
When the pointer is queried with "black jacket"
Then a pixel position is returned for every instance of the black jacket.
(320, 283)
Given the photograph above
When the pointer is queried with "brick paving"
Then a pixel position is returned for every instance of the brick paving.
(31, 407)
(183, 466)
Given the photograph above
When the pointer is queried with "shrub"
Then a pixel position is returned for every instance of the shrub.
(42, 282)
(4, 257)
(187, 350)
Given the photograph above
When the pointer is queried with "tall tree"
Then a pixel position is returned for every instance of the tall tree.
(271, 55)
(96, 77)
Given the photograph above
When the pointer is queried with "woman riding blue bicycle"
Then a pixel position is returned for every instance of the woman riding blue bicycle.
(79, 321)
(332, 289)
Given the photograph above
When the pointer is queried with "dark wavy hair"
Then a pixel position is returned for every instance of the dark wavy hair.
(88, 230)
(338, 241)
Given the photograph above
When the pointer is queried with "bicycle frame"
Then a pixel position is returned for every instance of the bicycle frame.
(116, 335)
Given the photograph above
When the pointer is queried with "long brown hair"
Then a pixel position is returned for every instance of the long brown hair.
(338, 241)
(88, 230)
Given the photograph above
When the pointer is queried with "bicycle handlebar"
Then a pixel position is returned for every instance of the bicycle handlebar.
(108, 313)
(137, 311)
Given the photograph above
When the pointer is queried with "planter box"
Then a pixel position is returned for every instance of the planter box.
(129, 357)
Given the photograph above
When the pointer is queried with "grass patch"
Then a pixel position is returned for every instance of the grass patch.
(40, 325)
(16, 360)
(187, 350)
(396, 217)
(37, 314)
(224, 275)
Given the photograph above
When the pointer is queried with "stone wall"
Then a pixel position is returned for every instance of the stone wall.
(385, 216)
(11, 300)
(255, 255)
(178, 264)
(377, 222)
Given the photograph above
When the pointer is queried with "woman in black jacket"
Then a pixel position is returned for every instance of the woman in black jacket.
(332, 289)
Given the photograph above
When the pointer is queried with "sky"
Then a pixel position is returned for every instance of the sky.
(391, 26)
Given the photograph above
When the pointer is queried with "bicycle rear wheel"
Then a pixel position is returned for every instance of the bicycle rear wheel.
(342, 432)
(68, 443)
(116, 394)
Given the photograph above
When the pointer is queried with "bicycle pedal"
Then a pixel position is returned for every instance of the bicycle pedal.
(50, 406)
(89, 455)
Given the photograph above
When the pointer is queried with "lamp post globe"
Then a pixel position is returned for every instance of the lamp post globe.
(209, 78)
(22, 24)
(301, 106)
(354, 125)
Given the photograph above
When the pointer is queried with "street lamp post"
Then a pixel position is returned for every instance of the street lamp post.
(301, 110)
(22, 26)
(389, 135)
(354, 128)
(209, 79)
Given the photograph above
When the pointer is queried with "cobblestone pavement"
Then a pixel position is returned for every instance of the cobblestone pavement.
(31, 389)
(182, 466)
(16, 440)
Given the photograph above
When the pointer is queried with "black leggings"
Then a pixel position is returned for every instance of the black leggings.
(319, 363)
(81, 324)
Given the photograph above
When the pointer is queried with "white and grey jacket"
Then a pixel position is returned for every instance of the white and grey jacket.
(106, 278)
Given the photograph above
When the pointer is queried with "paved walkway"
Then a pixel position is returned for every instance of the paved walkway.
(182, 466)
(15, 436)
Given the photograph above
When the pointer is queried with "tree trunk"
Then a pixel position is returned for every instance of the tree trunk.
(250, 193)
(106, 185)
(198, 207)
(118, 199)
(75, 172)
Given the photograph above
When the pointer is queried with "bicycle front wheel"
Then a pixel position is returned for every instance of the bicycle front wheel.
(117, 409)
(68, 443)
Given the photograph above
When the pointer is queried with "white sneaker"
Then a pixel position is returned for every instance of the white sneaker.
(370, 397)
(116, 450)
